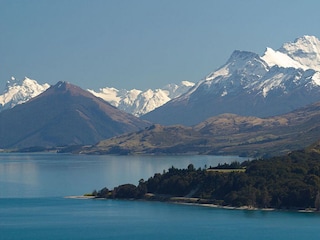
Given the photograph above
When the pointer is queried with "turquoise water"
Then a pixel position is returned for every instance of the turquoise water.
(32, 204)
(58, 218)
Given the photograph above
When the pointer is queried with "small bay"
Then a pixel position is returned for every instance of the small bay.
(33, 204)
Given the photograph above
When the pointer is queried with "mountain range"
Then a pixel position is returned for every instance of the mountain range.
(64, 114)
(229, 111)
(138, 102)
(277, 82)
(251, 85)
(134, 101)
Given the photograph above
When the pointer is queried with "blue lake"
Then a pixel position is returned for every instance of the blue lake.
(32, 203)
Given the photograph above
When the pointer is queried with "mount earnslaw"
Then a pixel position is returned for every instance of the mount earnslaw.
(251, 85)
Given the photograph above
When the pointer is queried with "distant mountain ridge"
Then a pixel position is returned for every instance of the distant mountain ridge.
(140, 102)
(278, 82)
(136, 102)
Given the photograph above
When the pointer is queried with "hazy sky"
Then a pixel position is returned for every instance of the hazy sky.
(141, 43)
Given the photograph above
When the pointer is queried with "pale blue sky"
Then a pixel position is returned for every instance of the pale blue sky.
(141, 43)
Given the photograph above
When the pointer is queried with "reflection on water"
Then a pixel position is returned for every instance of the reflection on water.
(48, 174)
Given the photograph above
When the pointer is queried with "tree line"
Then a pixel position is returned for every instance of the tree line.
(286, 182)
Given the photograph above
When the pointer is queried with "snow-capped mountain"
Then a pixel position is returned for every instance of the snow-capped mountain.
(139, 102)
(248, 84)
(133, 101)
(17, 92)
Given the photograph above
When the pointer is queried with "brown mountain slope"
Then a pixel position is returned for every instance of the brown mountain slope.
(223, 134)
(64, 115)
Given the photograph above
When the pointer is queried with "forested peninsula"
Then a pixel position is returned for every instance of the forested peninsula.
(286, 182)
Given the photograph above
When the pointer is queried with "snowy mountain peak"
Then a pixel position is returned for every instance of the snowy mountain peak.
(246, 73)
(305, 50)
(243, 55)
(244, 60)
(140, 102)
(17, 92)
(273, 71)
(304, 42)
(240, 64)
(248, 84)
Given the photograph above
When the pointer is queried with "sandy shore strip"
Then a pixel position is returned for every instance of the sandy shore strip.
(197, 202)
(80, 197)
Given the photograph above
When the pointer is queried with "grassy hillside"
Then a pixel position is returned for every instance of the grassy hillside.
(227, 134)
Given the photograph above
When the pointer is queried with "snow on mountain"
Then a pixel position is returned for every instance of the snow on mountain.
(316, 78)
(303, 53)
(283, 81)
(272, 58)
(241, 69)
(305, 50)
(17, 92)
(133, 101)
(110, 95)
(139, 102)
(174, 90)
(147, 101)
(243, 65)
(293, 64)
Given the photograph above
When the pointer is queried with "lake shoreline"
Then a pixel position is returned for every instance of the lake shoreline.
(205, 203)
(197, 202)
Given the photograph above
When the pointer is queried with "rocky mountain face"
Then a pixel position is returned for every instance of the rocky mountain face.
(64, 114)
(251, 85)
(226, 134)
